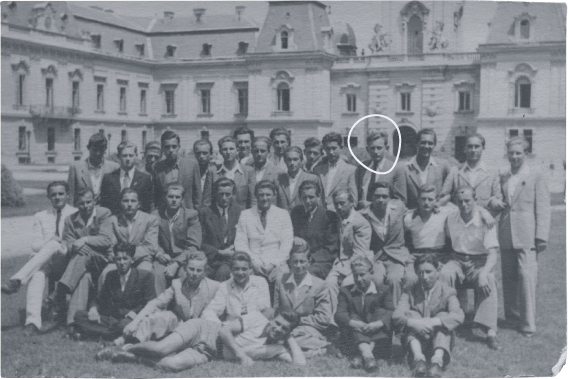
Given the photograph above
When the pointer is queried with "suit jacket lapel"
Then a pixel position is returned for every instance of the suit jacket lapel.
(338, 176)
(135, 229)
(136, 179)
(464, 175)
(133, 279)
(300, 179)
(519, 188)
(302, 295)
(116, 180)
(284, 184)
(86, 176)
(215, 220)
(414, 176)
(290, 293)
(163, 227)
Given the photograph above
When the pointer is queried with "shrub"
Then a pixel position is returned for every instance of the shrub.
(12, 194)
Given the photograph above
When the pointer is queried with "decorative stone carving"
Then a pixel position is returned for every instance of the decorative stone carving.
(431, 109)
(411, 9)
(437, 40)
(380, 41)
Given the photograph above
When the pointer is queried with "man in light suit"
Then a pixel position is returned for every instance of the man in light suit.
(203, 151)
(243, 176)
(280, 139)
(89, 172)
(477, 175)
(174, 169)
(265, 232)
(219, 222)
(288, 183)
(377, 147)
(179, 234)
(424, 169)
(128, 176)
(336, 174)
(524, 225)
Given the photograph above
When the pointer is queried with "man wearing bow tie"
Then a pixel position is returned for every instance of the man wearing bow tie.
(523, 234)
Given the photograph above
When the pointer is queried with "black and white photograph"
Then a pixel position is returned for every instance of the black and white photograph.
(224, 189)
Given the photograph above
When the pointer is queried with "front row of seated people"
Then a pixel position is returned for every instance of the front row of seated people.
(319, 275)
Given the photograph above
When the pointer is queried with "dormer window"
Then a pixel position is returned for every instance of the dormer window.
(119, 45)
(96, 41)
(140, 49)
(206, 50)
(525, 29)
(170, 51)
(242, 48)
(284, 40)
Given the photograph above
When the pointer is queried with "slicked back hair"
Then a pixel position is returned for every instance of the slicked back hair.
(168, 135)
(56, 184)
(280, 131)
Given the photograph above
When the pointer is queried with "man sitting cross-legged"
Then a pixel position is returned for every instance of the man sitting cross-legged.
(125, 292)
(184, 300)
(364, 315)
(427, 313)
(49, 256)
(245, 338)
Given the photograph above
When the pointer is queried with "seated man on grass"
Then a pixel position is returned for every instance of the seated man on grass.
(363, 316)
(246, 338)
(427, 313)
(125, 292)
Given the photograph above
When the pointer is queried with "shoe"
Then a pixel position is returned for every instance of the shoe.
(527, 334)
(356, 362)
(77, 336)
(49, 326)
(493, 343)
(70, 330)
(31, 330)
(370, 364)
(121, 356)
(106, 354)
(420, 369)
(12, 286)
(434, 371)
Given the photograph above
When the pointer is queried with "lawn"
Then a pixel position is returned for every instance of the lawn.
(55, 356)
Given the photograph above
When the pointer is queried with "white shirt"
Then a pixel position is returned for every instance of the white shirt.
(306, 282)
(293, 184)
(514, 180)
(96, 176)
(44, 225)
(380, 226)
(124, 279)
(371, 290)
(429, 234)
(472, 172)
(259, 173)
(91, 218)
(122, 177)
(472, 238)
(422, 174)
(203, 180)
(330, 176)
(230, 174)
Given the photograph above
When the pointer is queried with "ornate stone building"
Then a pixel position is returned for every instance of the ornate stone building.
(70, 71)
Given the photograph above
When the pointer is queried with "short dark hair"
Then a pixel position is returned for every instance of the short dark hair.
(125, 247)
(225, 139)
(290, 316)
(223, 182)
(264, 139)
(152, 145)
(431, 258)
(126, 191)
(309, 184)
(265, 184)
(361, 261)
(240, 256)
(383, 184)
(203, 142)
(377, 135)
(124, 144)
(280, 131)
(168, 135)
(244, 130)
(333, 137)
(56, 184)
(174, 185)
(82, 192)
(295, 149)
(195, 256)
(476, 135)
(427, 188)
(462, 189)
(312, 142)
(426, 131)
(97, 140)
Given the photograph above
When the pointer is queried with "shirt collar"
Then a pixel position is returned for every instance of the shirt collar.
(524, 170)
(91, 167)
(475, 220)
(173, 218)
(247, 285)
(370, 290)
(237, 168)
(267, 211)
(126, 276)
(336, 165)
(92, 217)
(131, 172)
(481, 166)
(350, 217)
(175, 164)
(414, 163)
(307, 281)
(221, 210)
(264, 166)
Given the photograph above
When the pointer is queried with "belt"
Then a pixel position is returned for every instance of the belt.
(464, 256)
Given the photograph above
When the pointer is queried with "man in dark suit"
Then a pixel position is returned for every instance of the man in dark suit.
(174, 169)
(316, 227)
(152, 154)
(89, 173)
(244, 137)
(243, 176)
(219, 229)
(424, 169)
(203, 151)
(179, 234)
(125, 292)
(377, 147)
(126, 177)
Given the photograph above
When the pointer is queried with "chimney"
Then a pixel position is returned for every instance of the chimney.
(168, 15)
(199, 12)
(240, 9)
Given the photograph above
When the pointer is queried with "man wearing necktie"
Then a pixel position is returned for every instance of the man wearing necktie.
(49, 254)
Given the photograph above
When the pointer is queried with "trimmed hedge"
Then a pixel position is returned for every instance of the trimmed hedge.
(12, 193)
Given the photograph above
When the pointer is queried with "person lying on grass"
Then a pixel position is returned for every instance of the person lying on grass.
(427, 314)
(246, 338)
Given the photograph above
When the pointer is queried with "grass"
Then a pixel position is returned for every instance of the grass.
(54, 356)
(34, 204)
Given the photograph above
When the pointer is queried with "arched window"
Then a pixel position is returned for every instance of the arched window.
(525, 29)
(284, 40)
(522, 92)
(283, 97)
(415, 35)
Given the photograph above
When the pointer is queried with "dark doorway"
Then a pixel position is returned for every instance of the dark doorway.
(408, 142)
(460, 142)
(415, 35)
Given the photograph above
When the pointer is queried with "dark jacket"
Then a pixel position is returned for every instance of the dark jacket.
(187, 234)
(321, 234)
(188, 176)
(111, 190)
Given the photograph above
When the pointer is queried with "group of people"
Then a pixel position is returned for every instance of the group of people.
(285, 253)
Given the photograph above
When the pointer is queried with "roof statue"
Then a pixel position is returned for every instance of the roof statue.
(380, 41)
(437, 39)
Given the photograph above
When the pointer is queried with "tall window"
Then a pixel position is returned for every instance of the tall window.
(51, 138)
(204, 134)
(100, 97)
(170, 50)
(20, 93)
(205, 101)
(405, 101)
(75, 94)
(143, 101)
(140, 49)
(284, 40)
(49, 92)
(351, 102)
(464, 100)
(522, 92)
(77, 139)
(22, 139)
(169, 102)
(525, 29)
(123, 135)
(122, 99)
(283, 97)
(143, 138)
(242, 101)
(96, 41)
(415, 35)
(119, 45)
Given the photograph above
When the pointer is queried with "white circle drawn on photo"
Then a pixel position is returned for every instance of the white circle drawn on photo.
(399, 144)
